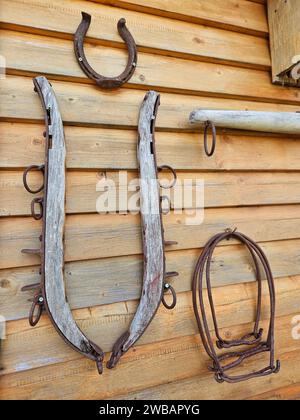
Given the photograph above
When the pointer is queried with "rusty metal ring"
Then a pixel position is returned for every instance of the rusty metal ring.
(40, 203)
(168, 287)
(174, 173)
(207, 126)
(25, 174)
(105, 82)
(37, 303)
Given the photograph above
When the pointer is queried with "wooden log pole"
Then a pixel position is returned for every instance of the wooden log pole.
(273, 122)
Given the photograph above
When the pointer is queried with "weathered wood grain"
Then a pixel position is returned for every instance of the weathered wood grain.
(152, 33)
(32, 55)
(152, 231)
(274, 122)
(76, 379)
(284, 24)
(108, 149)
(290, 392)
(101, 236)
(241, 16)
(99, 110)
(234, 306)
(93, 283)
(221, 189)
(96, 146)
(53, 285)
(204, 388)
(28, 54)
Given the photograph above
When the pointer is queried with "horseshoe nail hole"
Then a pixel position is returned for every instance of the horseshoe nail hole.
(4, 284)
(198, 40)
(37, 142)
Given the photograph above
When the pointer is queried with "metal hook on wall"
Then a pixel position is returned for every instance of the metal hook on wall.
(210, 125)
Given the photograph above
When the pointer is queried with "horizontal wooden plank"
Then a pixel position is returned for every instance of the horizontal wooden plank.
(205, 388)
(30, 54)
(103, 325)
(221, 190)
(151, 33)
(95, 148)
(291, 392)
(241, 15)
(106, 281)
(78, 379)
(259, 1)
(83, 104)
(101, 236)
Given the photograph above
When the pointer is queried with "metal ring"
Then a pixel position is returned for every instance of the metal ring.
(25, 174)
(173, 183)
(174, 302)
(34, 318)
(164, 197)
(209, 124)
(40, 202)
(219, 378)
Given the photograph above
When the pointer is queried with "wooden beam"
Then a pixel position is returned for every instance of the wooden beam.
(32, 54)
(138, 370)
(241, 16)
(42, 346)
(99, 109)
(94, 283)
(284, 22)
(290, 392)
(101, 236)
(98, 149)
(205, 387)
(221, 190)
(154, 34)
(55, 59)
(272, 122)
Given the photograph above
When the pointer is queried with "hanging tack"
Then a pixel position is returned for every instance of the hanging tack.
(169, 288)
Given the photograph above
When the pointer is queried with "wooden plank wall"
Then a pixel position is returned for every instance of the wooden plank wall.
(217, 55)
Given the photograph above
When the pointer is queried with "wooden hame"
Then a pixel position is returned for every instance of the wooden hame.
(50, 293)
(154, 276)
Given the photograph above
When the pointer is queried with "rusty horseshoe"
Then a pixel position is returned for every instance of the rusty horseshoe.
(105, 82)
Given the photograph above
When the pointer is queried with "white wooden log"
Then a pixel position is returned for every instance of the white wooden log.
(272, 122)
